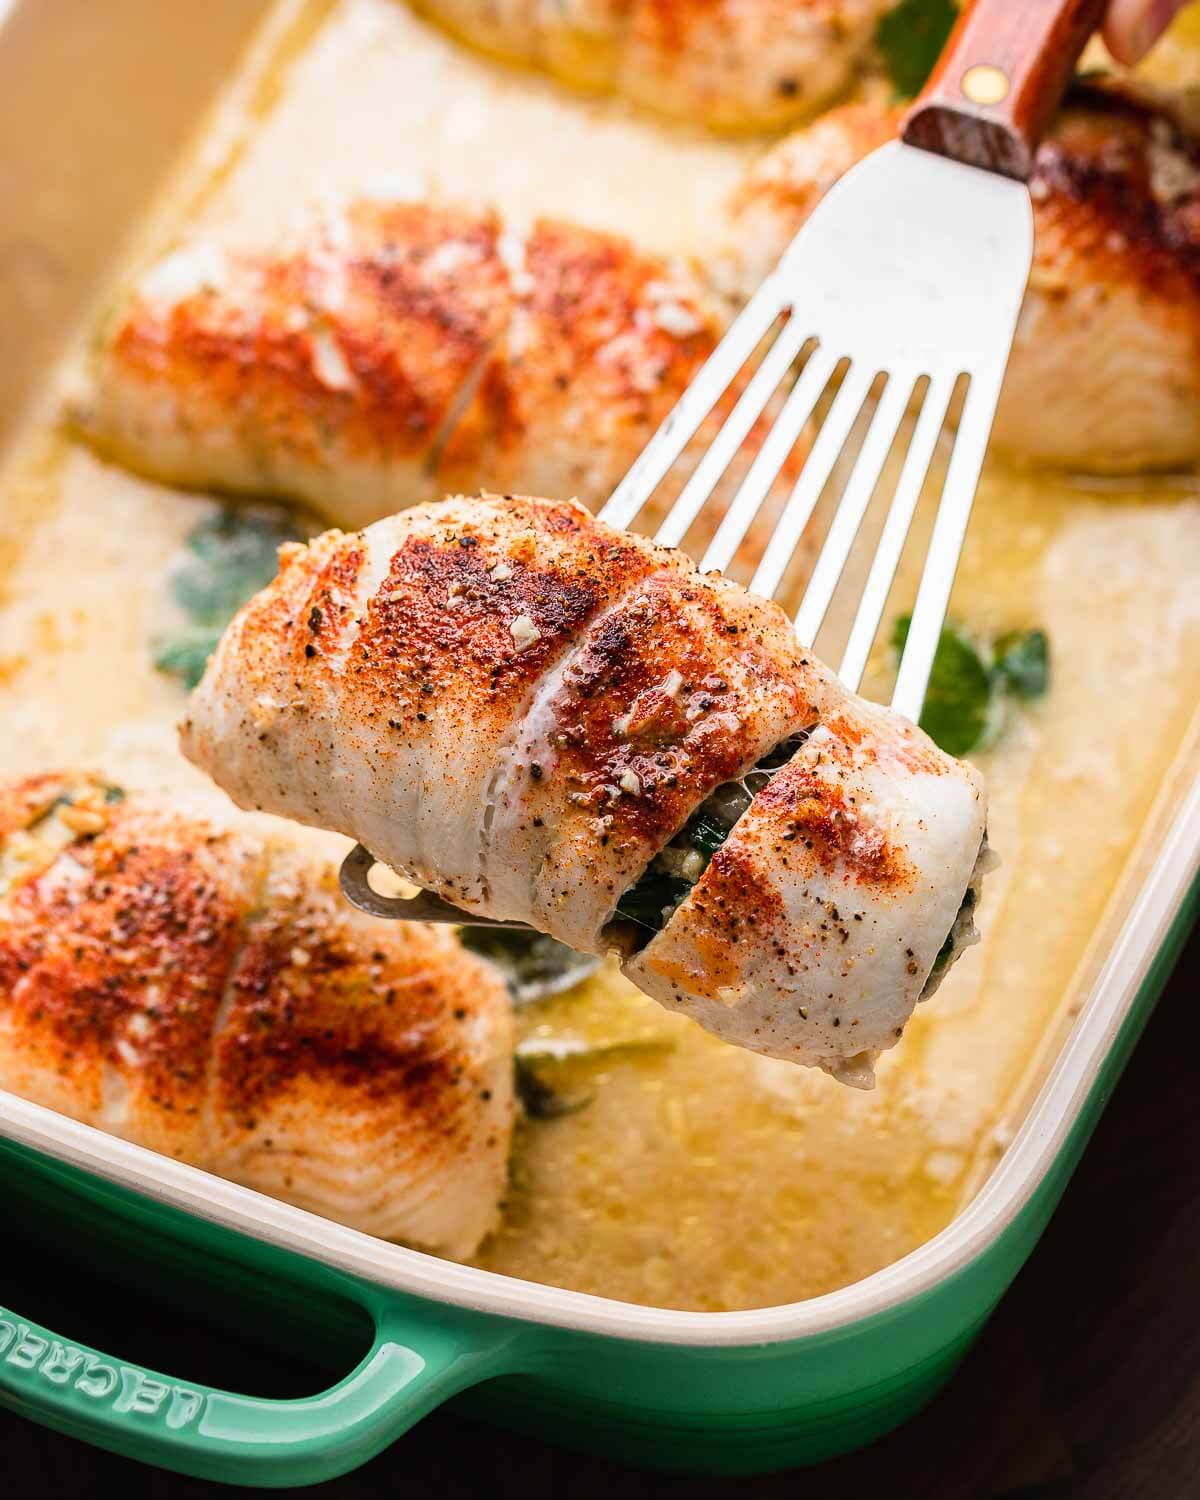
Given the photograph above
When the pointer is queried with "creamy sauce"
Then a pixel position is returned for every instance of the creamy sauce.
(697, 1176)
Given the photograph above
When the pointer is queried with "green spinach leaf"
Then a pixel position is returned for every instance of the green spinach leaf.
(959, 696)
(645, 902)
(540, 1099)
(972, 677)
(706, 832)
(534, 965)
(226, 559)
(910, 38)
(1023, 661)
(185, 653)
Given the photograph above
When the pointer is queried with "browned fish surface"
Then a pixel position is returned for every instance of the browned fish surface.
(1105, 369)
(399, 352)
(203, 990)
(394, 353)
(518, 707)
(735, 65)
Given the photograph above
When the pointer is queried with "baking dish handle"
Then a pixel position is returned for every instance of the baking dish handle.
(413, 1365)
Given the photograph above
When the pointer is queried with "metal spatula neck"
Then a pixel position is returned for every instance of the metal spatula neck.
(902, 289)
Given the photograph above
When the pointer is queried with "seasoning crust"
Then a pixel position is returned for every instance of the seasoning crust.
(732, 67)
(395, 351)
(1104, 374)
(522, 706)
(203, 990)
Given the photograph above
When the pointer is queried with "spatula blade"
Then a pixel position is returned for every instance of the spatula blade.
(916, 258)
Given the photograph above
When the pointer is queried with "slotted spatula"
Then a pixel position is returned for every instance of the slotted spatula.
(909, 272)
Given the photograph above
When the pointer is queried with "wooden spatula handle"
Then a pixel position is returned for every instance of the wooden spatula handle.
(999, 81)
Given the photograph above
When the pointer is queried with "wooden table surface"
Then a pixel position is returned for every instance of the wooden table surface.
(1085, 1385)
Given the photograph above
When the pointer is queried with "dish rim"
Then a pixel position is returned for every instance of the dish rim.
(1050, 1117)
(1048, 1121)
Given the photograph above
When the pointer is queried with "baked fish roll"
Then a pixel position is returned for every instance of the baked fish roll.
(550, 721)
(361, 1073)
(391, 711)
(118, 930)
(683, 685)
(200, 988)
(601, 341)
(1104, 374)
(396, 352)
(727, 64)
(833, 905)
(327, 369)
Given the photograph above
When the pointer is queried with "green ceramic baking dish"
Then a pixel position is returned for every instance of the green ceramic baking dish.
(717, 1393)
(707, 1392)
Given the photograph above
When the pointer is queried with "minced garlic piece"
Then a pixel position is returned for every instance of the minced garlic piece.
(1172, 174)
(23, 848)
(685, 864)
(329, 364)
(631, 782)
(674, 318)
(186, 273)
(524, 632)
(83, 820)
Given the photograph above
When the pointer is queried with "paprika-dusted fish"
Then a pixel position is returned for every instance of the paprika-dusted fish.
(733, 65)
(200, 988)
(395, 352)
(544, 719)
(1104, 374)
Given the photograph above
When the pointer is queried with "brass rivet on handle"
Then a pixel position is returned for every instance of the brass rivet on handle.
(985, 84)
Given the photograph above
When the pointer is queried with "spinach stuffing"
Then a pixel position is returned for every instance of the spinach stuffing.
(973, 680)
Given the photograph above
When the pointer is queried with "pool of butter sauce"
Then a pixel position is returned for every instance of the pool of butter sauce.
(697, 1176)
